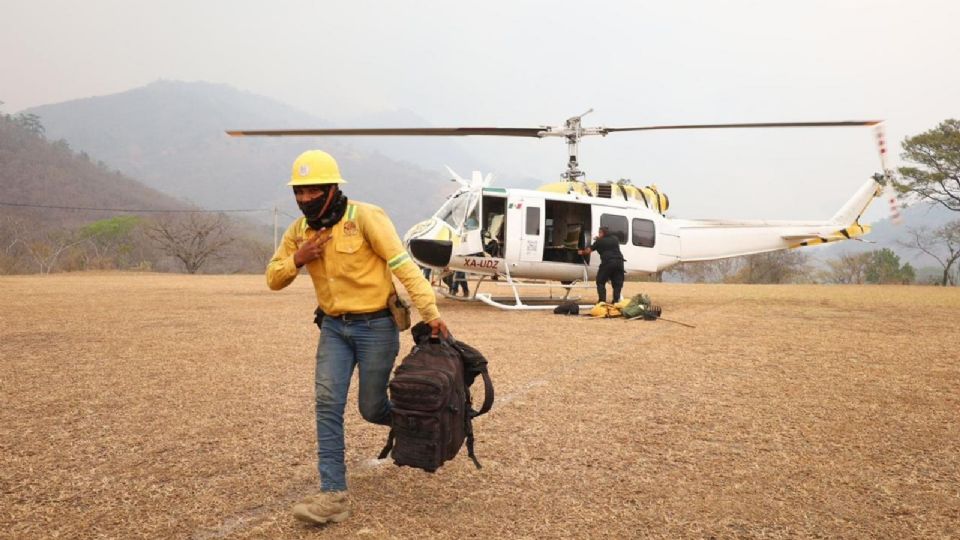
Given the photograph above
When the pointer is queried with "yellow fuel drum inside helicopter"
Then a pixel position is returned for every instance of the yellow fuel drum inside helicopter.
(650, 196)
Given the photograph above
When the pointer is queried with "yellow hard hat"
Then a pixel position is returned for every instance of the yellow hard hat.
(315, 167)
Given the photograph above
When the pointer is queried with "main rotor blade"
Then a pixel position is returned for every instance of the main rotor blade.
(845, 123)
(428, 132)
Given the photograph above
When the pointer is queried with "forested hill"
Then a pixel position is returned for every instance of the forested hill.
(36, 172)
(170, 135)
(59, 211)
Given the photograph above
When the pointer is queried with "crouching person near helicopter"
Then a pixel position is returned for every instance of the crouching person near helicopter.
(350, 250)
(611, 264)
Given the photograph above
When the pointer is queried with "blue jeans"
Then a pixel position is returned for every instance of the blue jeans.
(373, 345)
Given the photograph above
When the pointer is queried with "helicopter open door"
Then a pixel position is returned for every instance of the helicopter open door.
(525, 217)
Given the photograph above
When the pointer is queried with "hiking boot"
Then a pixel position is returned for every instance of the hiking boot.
(323, 507)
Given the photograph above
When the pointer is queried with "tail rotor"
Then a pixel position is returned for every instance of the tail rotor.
(887, 176)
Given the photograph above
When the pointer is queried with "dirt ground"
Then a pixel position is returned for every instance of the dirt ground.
(157, 406)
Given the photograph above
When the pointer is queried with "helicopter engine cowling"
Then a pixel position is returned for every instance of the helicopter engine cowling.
(655, 199)
(650, 196)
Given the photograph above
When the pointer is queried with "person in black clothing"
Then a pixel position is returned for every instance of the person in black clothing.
(455, 282)
(611, 264)
(460, 282)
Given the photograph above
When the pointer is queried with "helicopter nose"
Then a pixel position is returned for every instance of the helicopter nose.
(430, 243)
(435, 253)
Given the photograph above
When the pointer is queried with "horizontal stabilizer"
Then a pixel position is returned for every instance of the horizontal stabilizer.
(847, 233)
(800, 236)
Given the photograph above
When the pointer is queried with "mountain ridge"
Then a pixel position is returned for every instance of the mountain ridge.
(170, 135)
(46, 180)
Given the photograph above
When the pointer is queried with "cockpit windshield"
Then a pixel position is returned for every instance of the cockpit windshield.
(455, 209)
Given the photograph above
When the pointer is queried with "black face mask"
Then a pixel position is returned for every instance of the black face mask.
(329, 218)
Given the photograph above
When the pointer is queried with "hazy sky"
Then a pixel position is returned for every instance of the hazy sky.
(521, 63)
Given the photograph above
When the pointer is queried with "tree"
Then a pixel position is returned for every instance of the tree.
(62, 144)
(848, 269)
(193, 240)
(31, 123)
(907, 274)
(884, 267)
(44, 246)
(10, 248)
(112, 240)
(943, 239)
(786, 266)
(251, 254)
(936, 179)
(25, 244)
(717, 271)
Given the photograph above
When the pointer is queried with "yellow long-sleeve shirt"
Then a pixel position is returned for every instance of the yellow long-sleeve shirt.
(353, 275)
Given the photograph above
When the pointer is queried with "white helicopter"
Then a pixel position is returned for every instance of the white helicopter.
(521, 234)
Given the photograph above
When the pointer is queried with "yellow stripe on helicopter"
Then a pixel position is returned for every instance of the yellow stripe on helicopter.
(650, 196)
(853, 231)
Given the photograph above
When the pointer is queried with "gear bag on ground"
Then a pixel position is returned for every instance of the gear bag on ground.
(432, 412)
(637, 305)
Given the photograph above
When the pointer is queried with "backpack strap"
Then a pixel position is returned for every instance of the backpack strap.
(470, 452)
(487, 395)
(471, 414)
(471, 370)
(391, 437)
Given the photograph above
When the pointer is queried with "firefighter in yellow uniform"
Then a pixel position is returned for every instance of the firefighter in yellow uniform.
(350, 249)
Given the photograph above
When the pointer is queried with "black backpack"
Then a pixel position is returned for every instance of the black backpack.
(432, 412)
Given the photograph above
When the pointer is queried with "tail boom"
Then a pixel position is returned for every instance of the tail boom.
(704, 240)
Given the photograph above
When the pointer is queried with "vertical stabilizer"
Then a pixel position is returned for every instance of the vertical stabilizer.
(854, 208)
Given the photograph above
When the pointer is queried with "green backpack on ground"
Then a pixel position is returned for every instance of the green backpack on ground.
(637, 306)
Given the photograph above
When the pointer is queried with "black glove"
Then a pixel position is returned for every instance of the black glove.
(652, 313)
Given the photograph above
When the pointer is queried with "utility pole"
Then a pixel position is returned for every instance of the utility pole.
(275, 228)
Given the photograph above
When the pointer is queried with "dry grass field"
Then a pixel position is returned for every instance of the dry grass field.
(159, 406)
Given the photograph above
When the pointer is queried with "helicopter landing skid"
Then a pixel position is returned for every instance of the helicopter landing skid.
(527, 303)
(522, 303)
(476, 294)
(517, 302)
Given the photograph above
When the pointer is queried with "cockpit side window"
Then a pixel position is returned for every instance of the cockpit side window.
(472, 222)
(454, 211)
